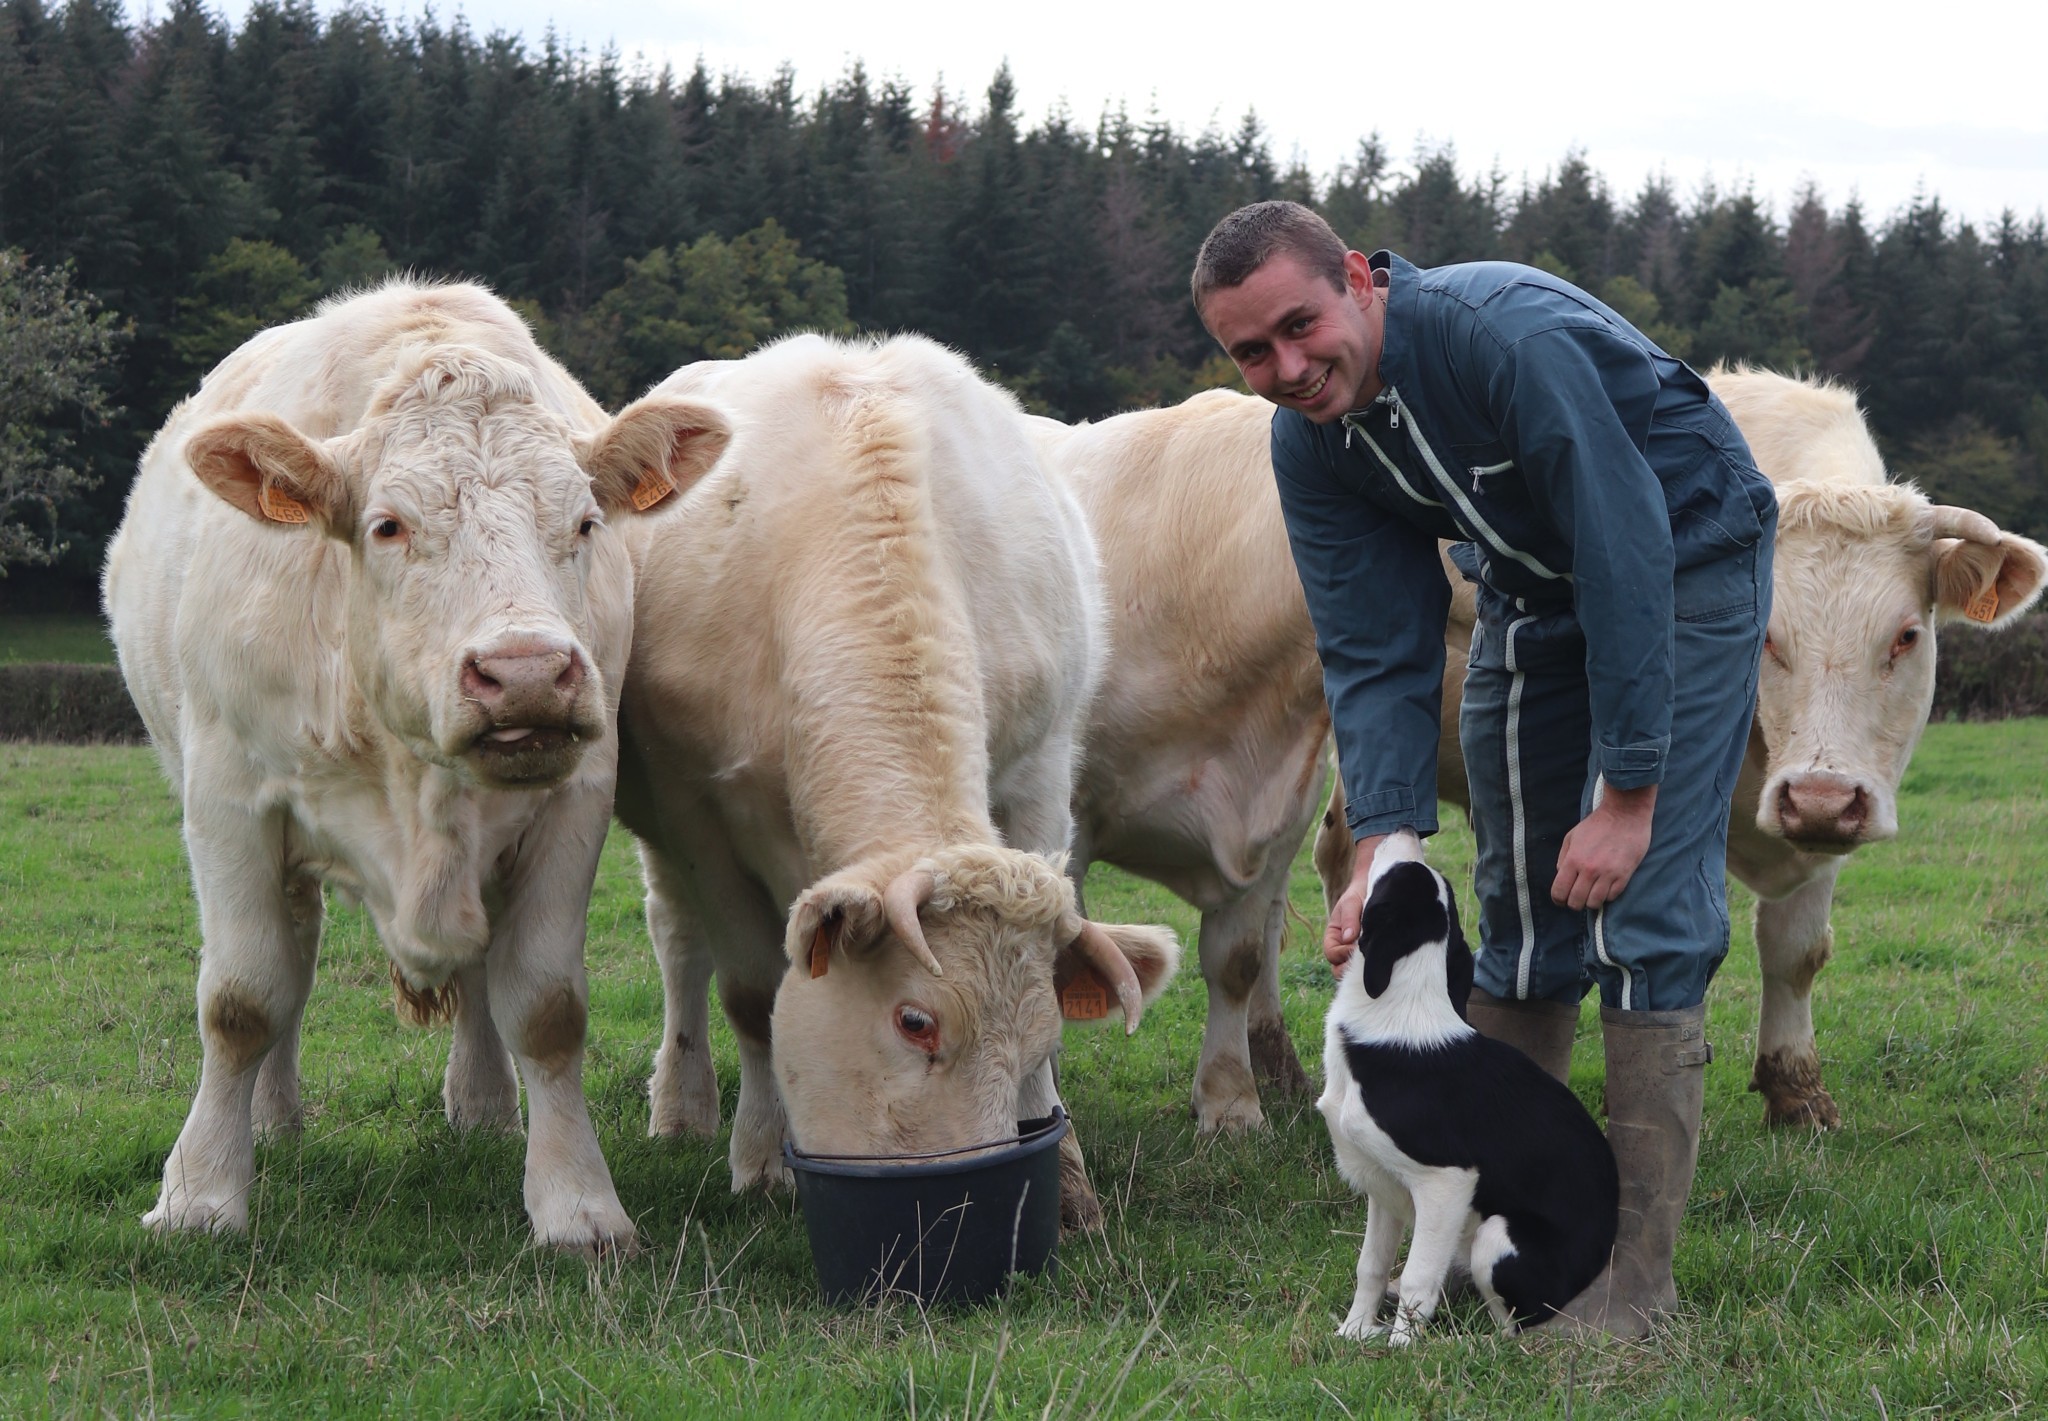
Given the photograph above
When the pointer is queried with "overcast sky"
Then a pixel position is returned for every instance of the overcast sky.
(1878, 99)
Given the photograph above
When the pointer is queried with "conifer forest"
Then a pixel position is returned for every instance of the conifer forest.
(170, 185)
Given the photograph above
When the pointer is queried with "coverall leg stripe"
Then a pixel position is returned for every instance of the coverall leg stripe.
(1526, 962)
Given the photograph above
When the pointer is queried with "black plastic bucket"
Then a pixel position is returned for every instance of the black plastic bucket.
(937, 1227)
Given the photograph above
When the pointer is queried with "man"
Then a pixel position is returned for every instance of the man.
(1620, 536)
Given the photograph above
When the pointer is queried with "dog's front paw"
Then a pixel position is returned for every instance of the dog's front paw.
(1361, 1328)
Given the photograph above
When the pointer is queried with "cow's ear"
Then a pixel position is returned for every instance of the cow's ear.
(832, 918)
(1987, 583)
(653, 451)
(1108, 968)
(270, 471)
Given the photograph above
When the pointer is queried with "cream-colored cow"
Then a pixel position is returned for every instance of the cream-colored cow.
(1205, 748)
(1865, 570)
(367, 602)
(864, 648)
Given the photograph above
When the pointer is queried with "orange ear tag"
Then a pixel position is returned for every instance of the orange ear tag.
(1083, 998)
(821, 952)
(653, 487)
(280, 507)
(1985, 607)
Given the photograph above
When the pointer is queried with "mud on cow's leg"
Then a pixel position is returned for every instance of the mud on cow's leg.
(1794, 941)
(480, 1090)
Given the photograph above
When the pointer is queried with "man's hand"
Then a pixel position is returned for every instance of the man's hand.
(1601, 853)
(1340, 934)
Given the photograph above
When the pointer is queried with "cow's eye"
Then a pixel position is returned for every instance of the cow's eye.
(1908, 638)
(587, 526)
(387, 530)
(919, 1027)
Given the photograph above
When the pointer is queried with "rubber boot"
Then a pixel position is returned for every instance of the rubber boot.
(1656, 1085)
(1542, 1031)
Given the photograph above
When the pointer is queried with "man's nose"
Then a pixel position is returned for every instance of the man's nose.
(1290, 363)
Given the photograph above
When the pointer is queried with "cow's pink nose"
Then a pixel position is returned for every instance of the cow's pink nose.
(1823, 806)
(526, 680)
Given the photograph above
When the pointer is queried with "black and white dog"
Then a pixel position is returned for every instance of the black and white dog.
(1465, 1138)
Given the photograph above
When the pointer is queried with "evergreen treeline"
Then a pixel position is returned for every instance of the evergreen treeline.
(203, 182)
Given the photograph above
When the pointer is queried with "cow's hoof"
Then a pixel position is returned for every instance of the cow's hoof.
(1815, 1112)
(598, 1239)
(682, 1097)
(1234, 1116)
(1275, 1064)
(214, 1216)
(1792, 1092)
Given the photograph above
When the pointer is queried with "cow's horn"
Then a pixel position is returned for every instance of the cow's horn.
(1965, 523)
(906, 895)
(1108, 959)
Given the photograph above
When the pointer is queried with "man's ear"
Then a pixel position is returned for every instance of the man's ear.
(273, 473)
(656, 449)
(832, 917)
(1987, 583)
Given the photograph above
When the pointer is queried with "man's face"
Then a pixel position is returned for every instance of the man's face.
(1299, 341)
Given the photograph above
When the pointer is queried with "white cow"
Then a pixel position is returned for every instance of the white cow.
(367, 602)
(1205, 747)
(864, 647)
(1865, 570)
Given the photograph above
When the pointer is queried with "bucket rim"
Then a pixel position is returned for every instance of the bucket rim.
(1032, 1137)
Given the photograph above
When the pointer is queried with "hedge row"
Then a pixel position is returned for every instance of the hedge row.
(63, 704)
(1993, 675)
(1982, 677)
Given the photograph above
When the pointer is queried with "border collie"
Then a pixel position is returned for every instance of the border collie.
(1492, 1161)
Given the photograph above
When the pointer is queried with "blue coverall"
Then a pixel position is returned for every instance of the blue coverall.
(1620, 537)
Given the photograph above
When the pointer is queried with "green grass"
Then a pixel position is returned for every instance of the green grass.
(54, 636)
(1897, 1267)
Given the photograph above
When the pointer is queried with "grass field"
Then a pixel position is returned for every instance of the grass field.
(54, 636)
(1898, 1267)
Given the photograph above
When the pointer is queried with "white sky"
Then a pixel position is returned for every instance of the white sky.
(1877, 99)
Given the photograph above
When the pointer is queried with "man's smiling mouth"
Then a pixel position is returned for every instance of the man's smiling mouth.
(1309, 395)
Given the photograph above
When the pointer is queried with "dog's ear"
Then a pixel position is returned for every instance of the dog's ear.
(1402, 914)
(1457, 957)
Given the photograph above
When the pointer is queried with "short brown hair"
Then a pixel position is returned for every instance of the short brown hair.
(1250, 237)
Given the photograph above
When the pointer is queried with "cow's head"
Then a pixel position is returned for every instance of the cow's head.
(1864, 574)
(918, 1003)
(470, 510)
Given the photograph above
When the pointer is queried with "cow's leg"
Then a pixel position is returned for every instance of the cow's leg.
(1080, 1209)
(683, 1094)
(539, 1000)
(480, 1090)
(1233, 949)
(253, 980)
(758, 1123)
(1274, 1062)
(276, 1109)
(1794, 941)
(1034, 813)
